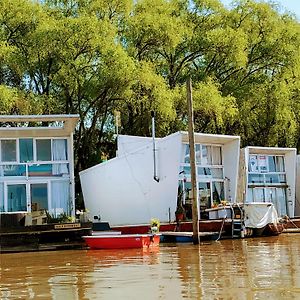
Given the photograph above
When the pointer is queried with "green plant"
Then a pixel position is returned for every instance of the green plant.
(61, 218)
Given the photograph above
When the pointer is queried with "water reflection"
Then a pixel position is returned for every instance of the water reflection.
(229, 269)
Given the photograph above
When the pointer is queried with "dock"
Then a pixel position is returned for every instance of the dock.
(44, 237)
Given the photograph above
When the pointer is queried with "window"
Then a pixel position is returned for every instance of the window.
(206, 155)
(8, 150)
(217, 155)
(186, 153)
(43, 150)
(16, 197)
(26, 150)
(39, 196)
(2, 197)
(218, 192)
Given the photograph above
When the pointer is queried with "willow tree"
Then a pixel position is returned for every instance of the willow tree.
(93, 57)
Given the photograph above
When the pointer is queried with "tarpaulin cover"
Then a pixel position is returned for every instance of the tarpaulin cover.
(258, 215)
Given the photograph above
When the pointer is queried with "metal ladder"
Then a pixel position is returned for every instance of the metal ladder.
(237, 225)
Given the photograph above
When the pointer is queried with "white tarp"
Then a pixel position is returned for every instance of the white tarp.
(258, 215)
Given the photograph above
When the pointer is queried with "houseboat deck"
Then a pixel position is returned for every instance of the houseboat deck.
(44, 237)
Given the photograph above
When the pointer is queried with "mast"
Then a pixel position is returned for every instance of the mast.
(192, 163)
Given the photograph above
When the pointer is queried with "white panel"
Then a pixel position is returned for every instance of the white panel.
(122, 190)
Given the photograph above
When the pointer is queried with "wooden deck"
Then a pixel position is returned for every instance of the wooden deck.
(44, 237)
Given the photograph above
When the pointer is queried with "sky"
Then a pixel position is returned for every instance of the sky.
(290, 5)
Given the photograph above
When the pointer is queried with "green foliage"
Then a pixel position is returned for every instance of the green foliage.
(95, 56)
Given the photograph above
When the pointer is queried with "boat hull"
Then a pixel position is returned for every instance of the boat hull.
(126, 241)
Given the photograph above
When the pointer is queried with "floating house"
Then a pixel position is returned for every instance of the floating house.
(36, 164)
(268, 174)
(150, 178)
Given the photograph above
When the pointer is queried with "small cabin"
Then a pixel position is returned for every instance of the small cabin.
(147, 179)
(268, 174)
(36, 164)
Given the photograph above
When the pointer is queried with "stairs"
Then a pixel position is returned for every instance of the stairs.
(237, 221)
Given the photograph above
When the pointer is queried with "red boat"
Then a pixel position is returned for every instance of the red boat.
(122, 241)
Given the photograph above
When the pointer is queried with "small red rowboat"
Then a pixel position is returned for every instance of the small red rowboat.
(122, 241)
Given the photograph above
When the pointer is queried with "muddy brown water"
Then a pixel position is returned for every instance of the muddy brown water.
(260, 268)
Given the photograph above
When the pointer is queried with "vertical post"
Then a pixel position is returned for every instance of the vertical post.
(155, 176)
(192, 163)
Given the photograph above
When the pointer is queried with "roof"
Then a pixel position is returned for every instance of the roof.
(45, 125)
(270, 150)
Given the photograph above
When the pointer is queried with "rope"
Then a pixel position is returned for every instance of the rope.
(288, 219)
(220, 233)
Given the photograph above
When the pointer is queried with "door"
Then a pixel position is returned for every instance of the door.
(39, 196)
(16, 197)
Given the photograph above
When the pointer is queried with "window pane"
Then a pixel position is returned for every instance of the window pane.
(26, 150)
(206, 155)
(282, 178)
(262, 163)
(204, 195)
(43, 150)
(217, 155)
(39, 196)
(281, 201)
(40, 170)
(259, 195)
(255, 178)
(253, 163)
(60, 197)
(1, 196)
(198, 153)
(204, 171)
(280, 164)
(14, 170)
(8, 150)
(59, 149)
(218, 192)
(185, 170)
(272, 178)
(16, 197)
(272, 163)
(186, 153)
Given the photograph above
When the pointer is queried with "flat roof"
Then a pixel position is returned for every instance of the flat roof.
(269, 150)
(19, 125)
(209, 138)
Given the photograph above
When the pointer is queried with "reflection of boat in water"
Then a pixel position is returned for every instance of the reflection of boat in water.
(122, 241)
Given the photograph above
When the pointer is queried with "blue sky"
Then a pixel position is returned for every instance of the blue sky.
(290, 5)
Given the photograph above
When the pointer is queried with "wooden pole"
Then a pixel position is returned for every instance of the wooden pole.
(193, 163)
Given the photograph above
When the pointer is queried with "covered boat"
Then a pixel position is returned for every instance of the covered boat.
(122, 241)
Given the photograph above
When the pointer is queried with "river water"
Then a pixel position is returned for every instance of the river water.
(257, 268)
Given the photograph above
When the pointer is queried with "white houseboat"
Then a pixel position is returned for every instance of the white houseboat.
(146, 179)
(268, 174)
(36, 164)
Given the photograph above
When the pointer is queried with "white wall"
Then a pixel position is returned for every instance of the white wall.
(122, 190)
(231, 153)
(128, 143)
(290, 168)
(297, 205)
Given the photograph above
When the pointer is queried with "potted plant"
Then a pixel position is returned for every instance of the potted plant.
(155, 224)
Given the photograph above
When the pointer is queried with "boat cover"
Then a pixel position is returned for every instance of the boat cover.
(258, 215)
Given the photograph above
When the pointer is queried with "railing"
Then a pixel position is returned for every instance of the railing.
(41, 169)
